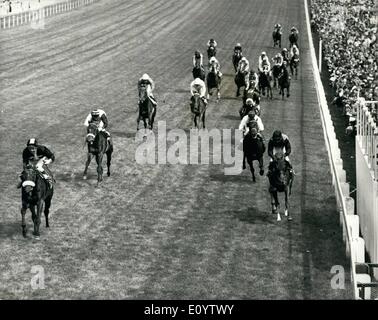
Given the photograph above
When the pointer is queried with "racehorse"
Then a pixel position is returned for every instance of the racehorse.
(213, 81)
(254, 94)
(284, 82)
(198, 108)
(293, 39)
(211, 52)
(280, 180)
(253, 149)
(198, 72)
(147, 110)
(294, 61)
(240, 82)
(35, 194)
(276, 38)
(236, 57)
(276, 70)
(265, 81)
(98, 145)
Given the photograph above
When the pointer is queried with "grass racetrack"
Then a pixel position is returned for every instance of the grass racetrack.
(160, 231)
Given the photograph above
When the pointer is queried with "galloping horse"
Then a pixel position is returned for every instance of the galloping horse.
(198, 72)
(253, 149)
(276, 70)
(265, 81)
(280, 180)
(146, 109)
(211, 52)
(294, 61)
(240, 82)
(276, 38)
(284, 82)
(293, 39)
(198, 108)
(35, 192)
(98, 145)
(236, 57)
(213, 81)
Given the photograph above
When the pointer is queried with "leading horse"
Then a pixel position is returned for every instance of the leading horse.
(211, 52)
(280, 180)
(98, 145)
(253, 149)
(276, 38)
(36, 194)
(147, 110)
(198, 109)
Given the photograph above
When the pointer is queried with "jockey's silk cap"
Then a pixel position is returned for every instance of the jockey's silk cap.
(95, 113)
(32, 142)
(277, 134)
(145, 77)
(212, 60)
(263, 53)
(249, 101)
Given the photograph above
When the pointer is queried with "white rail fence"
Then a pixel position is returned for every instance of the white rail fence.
(354, 244)
(367, 177)
(38, 15)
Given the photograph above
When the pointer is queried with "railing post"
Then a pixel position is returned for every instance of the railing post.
(320, 55)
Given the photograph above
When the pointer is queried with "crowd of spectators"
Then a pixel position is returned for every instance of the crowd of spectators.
(348, 30)
(17, 6)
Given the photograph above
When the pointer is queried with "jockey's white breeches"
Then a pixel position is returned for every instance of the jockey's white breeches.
(40, 164)
(283, 150)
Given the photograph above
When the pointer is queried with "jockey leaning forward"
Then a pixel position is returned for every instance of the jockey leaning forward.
(146, 81)
(243, 68)
(264, 63)
(198, 59)
(42, 155)
(100, 118)
(214, 64)
(251, 120)
(198, 86)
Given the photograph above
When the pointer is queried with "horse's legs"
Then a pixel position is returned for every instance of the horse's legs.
(89, 159)
(99, 167)
(138, 120)
(47, 210)
(37, 217)
(238, 92)
(250, 163)
(288, 91)
(203, 120)
(23, 222)
(108, 160)
(273, 201)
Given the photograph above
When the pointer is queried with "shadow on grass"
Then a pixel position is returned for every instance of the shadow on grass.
(231, 117)
(11, 229)
(124, 134)
(254, 215)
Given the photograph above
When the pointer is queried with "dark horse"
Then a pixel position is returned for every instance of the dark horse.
(253, 149)
(276, 70)
(35, 194)
(236, 57)
(293, 39)
(284, 82)
(98, 145)
(276, 38)
(198, 108)
(211, 52)
(147, 110)
(294, 61)
(265, 82)
(240, 82)
(280, 180)
(198, 72)
(213, 81)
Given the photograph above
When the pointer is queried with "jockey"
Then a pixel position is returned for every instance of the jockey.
(253, 80)
(250, 105)
(99, 117)
(285, 55)
(278, 60)
(198, 86)
(211, 43)
(256, 138)
(251, 117)
(145, 80)
(277, 27)
(263, 62)
(294, 51)
(293, 37)
(198, 59)
(238, 48)
(40, 153)
(213, 62)
(243, 67)
(279, 142)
